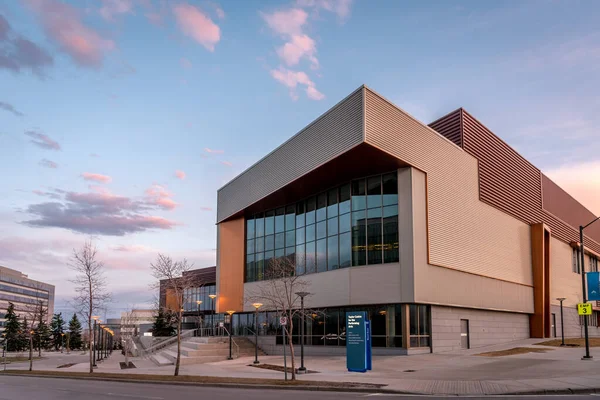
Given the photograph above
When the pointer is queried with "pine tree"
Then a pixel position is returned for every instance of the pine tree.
(43, 336)
(161, 327)
(57, 328)
(75, 341)
(24, 335)
(12, 328)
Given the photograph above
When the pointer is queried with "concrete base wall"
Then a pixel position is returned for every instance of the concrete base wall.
(485, 327)
(571, 320)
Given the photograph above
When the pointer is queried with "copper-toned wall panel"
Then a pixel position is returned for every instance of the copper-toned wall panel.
(540, 254)
(230, 287)
(450, 126)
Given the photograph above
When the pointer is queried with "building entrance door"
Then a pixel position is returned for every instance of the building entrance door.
(464, 334)
(553, 325)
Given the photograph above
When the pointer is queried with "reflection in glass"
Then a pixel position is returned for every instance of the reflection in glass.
(311, 206)
(390, 189)
(250, 273)
(290, 218)
(345, 250)
(321, 206)
(250, 246)
(290, 238)
(332, 226)
(359, 238)
(332, 252)
(269, 222)
(300, 260)
(250, 228)
(310, 233)
(269, 242)
(374, 192)
(280, 240)
(344, 199)
(321, 229)
(259, 224)
(359, 201)
(311, 261)
(280, 220)
(300, 236)
(332, 203)
(300, 214)
(321, 255)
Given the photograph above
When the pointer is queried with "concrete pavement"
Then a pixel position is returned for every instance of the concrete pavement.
(454, 373)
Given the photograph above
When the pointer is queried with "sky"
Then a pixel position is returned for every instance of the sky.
(120, 119)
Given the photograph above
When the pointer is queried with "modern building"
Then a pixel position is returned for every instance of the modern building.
(24, 293)
(445, 234)
(136, 322)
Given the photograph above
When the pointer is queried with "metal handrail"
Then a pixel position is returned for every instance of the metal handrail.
(237, 347)
(165, 343)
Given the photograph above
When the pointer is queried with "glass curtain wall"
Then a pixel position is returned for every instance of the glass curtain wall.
(192, 295)
(353, 224)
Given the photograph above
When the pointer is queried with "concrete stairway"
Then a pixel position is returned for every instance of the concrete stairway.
(201, 350)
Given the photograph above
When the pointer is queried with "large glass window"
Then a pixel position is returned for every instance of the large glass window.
(419, 325)
(353, 224)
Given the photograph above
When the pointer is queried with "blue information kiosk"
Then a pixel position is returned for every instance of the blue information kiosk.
(358, 342)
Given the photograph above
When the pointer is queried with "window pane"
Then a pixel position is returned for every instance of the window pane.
(269, 242)
(280, 220)
(359, 238)
(310, 258)
(390, 189)
(249, 246)
(332, 252)
(345, 250)
(414, 328)
(300, 214)
(311, 206)
(423, 320)
(300, 265)
(280, 240)
(259, 243)
(259, 224)
(250, 228)
(359, 201)
(322, 207)
(332, 203)
(260, 266)
(332, 226)
(250, 273)
(291, 251)
(269, 264)
(290, 218)
(390, 239)
(344, 198)
(374, 240)
(269, 222)
(322, 255)
(374, 213)
(390, 211)
(321, 229)
(374, 192)
(300, 236)
(345, 223)
(280, 255)
(290, 238)
(310, 233)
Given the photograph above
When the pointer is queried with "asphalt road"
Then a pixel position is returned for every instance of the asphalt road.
(33, 388)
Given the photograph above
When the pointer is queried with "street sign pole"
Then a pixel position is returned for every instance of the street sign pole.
(585, 318)
(283, 323)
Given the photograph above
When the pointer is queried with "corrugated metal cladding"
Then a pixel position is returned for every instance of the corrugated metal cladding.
(450, 126)
(334, 133)
(464, 233)
(511, 183)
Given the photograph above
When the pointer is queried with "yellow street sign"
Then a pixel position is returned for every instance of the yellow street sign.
(584, 309)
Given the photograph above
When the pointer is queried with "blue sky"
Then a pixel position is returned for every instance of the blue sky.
(103, 101)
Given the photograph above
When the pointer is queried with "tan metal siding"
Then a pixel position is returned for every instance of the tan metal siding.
(450, 126)
(563, 281)
(464, 233)
(334, 133)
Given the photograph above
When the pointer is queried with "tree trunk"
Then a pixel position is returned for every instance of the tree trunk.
(178, 345)
(292, 355)
(30, 352)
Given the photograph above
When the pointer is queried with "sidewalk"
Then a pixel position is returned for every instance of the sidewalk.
(454, 373)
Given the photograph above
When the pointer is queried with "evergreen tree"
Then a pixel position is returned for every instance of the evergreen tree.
(43, 336)
(57, 328)
(75, 341)
(161, 327)
(12, 328)
(24, 335)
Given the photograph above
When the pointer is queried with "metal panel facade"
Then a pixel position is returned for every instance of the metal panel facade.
(334, 133)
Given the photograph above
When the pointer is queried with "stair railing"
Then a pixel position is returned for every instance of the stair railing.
(165, 343)
(236, 351)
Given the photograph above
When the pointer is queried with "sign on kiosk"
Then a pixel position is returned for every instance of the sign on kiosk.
(358, 342)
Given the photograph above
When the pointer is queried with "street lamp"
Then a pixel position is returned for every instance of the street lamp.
(585, 319)
(198, 303)
(230, 312)
(562, 325)
(93, 345)
(256, 307)
(302, 295)
(62, 342)
(212, 317)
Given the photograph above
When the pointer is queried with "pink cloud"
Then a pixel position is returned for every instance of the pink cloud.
(42, 140)
(227, 163)
(185, 63)
(288, 22)
(154, 18)
(314, 94)
(213, 151)
(206, 208)
(339, 7)
(292, 79)
(195, 24)
(112, 8)
(63, 24)
(48, 164)
(88, 176)
(159, 196)
(180, 174)
(134, 248)
(220, 12)
(299, 46)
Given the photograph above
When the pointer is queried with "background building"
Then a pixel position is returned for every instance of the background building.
(24, 293)
(136, 322)
(443, 233)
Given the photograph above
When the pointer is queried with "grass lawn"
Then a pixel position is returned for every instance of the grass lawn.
(576, 342)
(194, 379)
(512, 352)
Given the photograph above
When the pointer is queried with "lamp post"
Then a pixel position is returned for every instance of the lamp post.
(562, 325)
(93, 342)
(230, 312)
(302, 295)
(256, 307)
(62, 342)
(212, 317)
(585, 319)
(198, 303)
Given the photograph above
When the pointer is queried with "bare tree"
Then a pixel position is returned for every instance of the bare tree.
(37, 312)
(175, 280)
(278, 293)
(90, 286)
(128, 323)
